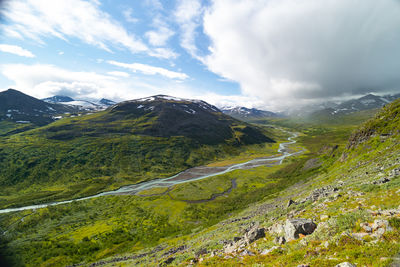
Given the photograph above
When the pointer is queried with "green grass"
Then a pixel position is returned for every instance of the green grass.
(95, 229)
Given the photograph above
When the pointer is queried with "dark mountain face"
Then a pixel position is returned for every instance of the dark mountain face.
(19, 107)
(106, 102)
(58, 99)
(367, 102)
(247, 113)
(164, 116)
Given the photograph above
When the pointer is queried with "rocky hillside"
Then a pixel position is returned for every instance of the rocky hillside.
(385, 124)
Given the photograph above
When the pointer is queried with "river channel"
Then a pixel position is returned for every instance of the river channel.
(189, 175)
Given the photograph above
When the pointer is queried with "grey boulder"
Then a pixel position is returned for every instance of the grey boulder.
(294, 227)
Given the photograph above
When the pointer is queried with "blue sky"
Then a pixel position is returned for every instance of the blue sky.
(270, 54)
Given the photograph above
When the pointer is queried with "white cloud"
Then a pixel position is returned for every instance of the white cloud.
(79, 19)
(288, 52)
(41, 80)
(161, 52)
(119, 74)
(188, 16)
(128, 15)
(159, 37)
(149, 70)
(16, 50)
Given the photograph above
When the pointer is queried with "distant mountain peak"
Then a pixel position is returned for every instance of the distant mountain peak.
(106, 102)
(247, 113)
(178, 102)
(58, 99)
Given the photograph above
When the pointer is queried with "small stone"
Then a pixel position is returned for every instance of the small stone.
(345, 264)
(267, 251)
(290, 202)
(303, 242)
(366, 227)
(326, 244)
(380, 224)
(280, 240)
(169, 260)
(247, 253)
(359, 236)
(380, 231)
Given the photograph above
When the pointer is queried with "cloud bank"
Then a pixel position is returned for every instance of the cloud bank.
(16, 50)
(84, 20)
(292, 52)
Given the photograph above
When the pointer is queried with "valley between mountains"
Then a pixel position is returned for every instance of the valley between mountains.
(164, 181)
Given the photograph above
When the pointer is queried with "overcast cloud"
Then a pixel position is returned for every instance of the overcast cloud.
(290, 52)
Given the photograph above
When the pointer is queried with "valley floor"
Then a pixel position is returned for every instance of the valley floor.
(351, 195)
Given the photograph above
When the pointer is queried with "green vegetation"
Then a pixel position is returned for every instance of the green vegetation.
(102, 228)
(81, 156)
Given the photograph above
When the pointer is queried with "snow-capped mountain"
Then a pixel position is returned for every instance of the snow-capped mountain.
(366, 102)
(81, 105)
(247, 113)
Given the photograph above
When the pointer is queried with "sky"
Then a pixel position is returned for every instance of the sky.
(268, 54)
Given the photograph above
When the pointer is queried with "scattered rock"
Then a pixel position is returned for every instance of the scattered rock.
(304, 242)
(247, 253)
(345, 264)
(280, 240)
(326, 244)
(380, 224)
(201, 252)
(381, 181)
(355, 194)
(169, 260)
(267, 251)
(319, 193)
(251, 234)
(380, 232)
(394, 172)
(277, 229)
(390, 212)
(359, 236)
(290, 202)
(294, 227)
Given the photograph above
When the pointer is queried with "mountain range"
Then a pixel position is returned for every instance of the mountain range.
(248, 113)
(220, 191)
(367, 102)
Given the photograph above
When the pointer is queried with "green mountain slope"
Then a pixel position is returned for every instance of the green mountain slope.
(348, 186)
(130, 142)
